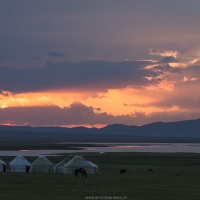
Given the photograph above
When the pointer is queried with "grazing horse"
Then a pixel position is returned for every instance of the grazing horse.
(122, 171)
(150, 170)
(80, 170)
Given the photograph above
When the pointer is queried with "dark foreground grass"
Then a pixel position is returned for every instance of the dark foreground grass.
(174, 176)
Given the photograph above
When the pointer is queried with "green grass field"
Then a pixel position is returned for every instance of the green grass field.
(175, 176)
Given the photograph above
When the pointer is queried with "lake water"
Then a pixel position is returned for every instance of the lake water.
(115, 147)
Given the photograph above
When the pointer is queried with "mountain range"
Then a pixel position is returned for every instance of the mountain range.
(181, 131)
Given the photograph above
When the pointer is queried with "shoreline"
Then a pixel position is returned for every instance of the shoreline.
(57, 149)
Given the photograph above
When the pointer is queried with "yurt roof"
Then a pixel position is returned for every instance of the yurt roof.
(41, 161)
(77, 161)
(2, 162)
(19, 160)
(62, 163)
(94, 165)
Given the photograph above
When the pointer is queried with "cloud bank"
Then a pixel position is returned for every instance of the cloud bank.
(78, 114)
(75, 114)
(85, 75)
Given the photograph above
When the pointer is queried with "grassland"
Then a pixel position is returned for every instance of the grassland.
(174, 176)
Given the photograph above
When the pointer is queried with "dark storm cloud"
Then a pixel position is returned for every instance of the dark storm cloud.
(88, 75)
(169, 59)
(55, 54)
(34, 58)
(167, 68)
(76, 113)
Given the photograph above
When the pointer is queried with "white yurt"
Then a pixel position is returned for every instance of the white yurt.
(78, 162)
(19, 164)
(3, 166)
(42, 165)
(95, 167)
(59, 168)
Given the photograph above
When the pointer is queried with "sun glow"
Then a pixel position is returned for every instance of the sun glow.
(114, 101)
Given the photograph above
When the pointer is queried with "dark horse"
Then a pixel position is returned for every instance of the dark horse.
(122, 171)
(80, 170)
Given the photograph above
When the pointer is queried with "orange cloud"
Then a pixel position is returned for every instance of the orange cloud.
(163, 53)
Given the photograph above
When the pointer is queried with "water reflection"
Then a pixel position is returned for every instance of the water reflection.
(131, 147)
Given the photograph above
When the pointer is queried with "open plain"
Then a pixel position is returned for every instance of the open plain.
(148, 176)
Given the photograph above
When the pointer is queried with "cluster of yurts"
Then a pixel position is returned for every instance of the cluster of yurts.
(44, 165)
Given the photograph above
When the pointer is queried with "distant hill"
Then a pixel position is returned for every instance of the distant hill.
(182, 131)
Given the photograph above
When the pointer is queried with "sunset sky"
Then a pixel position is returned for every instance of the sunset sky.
(98, 62)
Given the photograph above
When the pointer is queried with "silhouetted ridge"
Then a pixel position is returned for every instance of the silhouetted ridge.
(181, 131)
